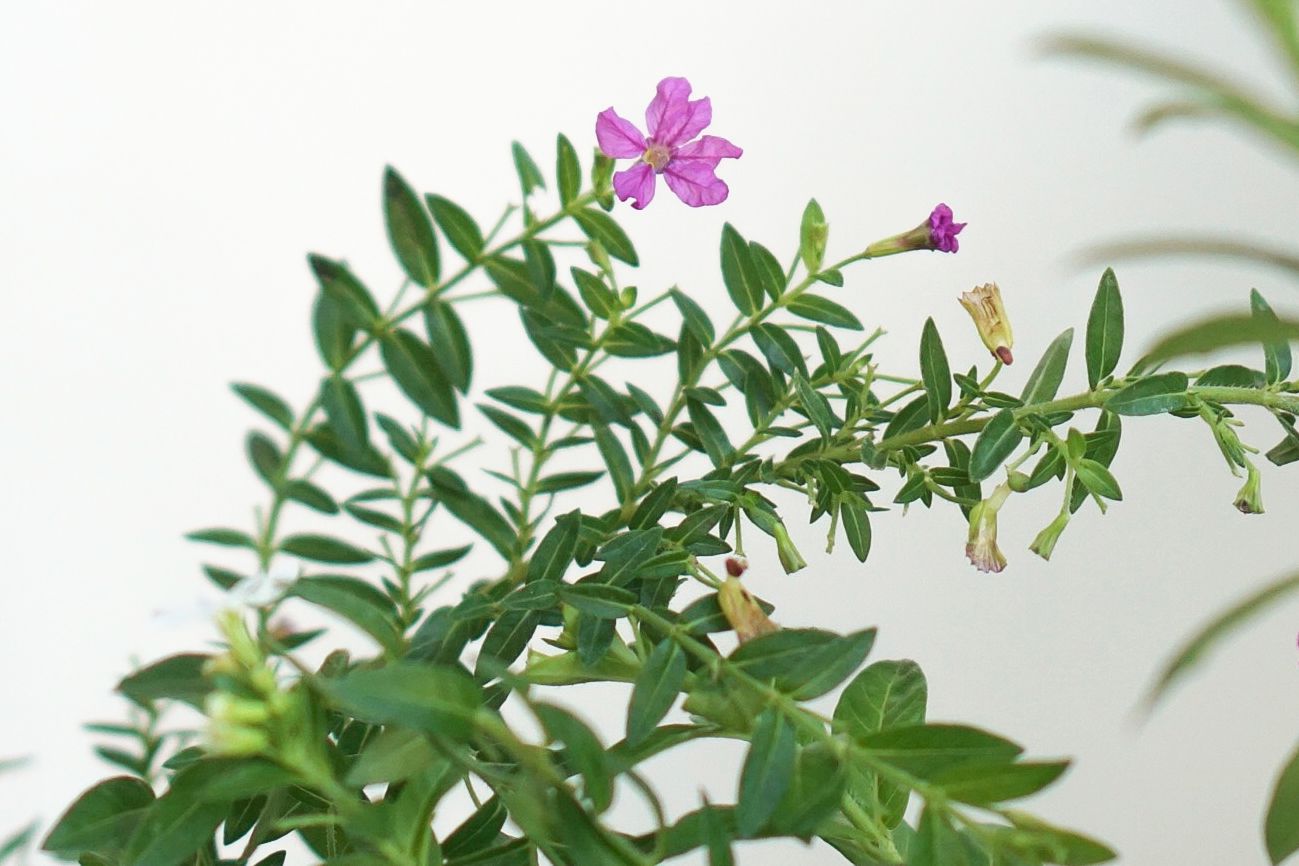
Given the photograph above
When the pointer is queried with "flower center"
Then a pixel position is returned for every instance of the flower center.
(658, 156)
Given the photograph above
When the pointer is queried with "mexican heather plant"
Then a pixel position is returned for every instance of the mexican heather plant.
(629, 569)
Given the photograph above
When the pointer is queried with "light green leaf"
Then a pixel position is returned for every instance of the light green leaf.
(425, 698)
(1152, 395)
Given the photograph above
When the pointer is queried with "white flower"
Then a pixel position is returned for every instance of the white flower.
(265, 587)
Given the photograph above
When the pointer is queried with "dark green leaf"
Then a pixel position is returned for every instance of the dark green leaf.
(1276, 353)
(740, 272)
(926, 750)
(1220, 332)
(333, 332)
(597, 296)
(998, 440)
(354, 300)
(322, 548)
(1044, 381)
(265, 457)
(803, 662)
(458, 226)
(409, 230)
(819, 309)
(1231, 376)
(780, 349)
(301, 490)
(175, 678)
(599, 226)
(767, 772)
(439, 558)
(555, 552)
(356, 601)
(1104, 329)
(101, 819)
(424, 698)
(856, 523)
(265, 402)
(505, 640)
(449, 344)
(1153, 395)
(716, 444)
(568, 169)
(478, 832)
(655, 690)
(562, 481)
(416, 371)
(223, 537)
(523, 399)
(696, 320)
(935, 371)
(615, 458)
(770, 274)
(1281, 827)
(515, 428)
(983, 784)
(627, 552)
(530, 176)
(472, 510)
(346, 413)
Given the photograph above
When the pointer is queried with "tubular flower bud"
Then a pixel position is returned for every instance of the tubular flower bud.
(1250, 498)
(790, 559)
(981, 545)
(938, 232)
(985, 307)
(741, 610)
(1044, 544)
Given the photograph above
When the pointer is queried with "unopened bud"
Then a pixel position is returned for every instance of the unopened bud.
(221, 707)
(1018, 482)
(1250, 498)
(1044, 544)
(236, 740)
(735, 567)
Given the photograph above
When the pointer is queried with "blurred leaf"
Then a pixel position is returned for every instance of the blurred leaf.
(530, 176)
(1104, 329)
(582, 751)
(449, 344)
(472, 510)
(1202, 245)
(353, 299)
(101, 819)
(409, 230)
(322, 548)
(346, 413)
(417, 373)
(310, 495)
(267, 403)
(982, 784)
(1194, 651)
(333, 332)
(1219, 332)
(459, 227)
(568, 169)
(599, 226)
(1281, 827)
(1276, 353)
(223, 537)
(506, 640)
(176, 678)
(356, 601)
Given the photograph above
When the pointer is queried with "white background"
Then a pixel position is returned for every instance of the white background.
(164, 167)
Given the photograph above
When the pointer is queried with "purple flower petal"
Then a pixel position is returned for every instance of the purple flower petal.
(695, 184)
(636, 182)
(943, 231)
(618, 138)
(711, 149)
(671, 100)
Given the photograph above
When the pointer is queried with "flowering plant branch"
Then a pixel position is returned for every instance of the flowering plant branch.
(630, 568)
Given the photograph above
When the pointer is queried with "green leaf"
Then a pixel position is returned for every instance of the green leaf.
(815, 792)
(223, 537)
(767, 772)
(927, 750)
(1276, 353)
(740, 272)
(303, 491)
(426, 698)
(981, 784)
(599, 600)
(856, 523)
(333, 332)
(803, 662)
(356, 601)
(599, 226)
(1221, 332)
(555, 552)
(714, 439)
(516, 428)
(392, 755)
(530, 176)
(346, 413)
(1194, 650)
(568, 169)
(265, 402)
(1152, 395)
(478, 831)
(449, 343)
(654, 506)
(1281, 827)
(265, 457)
(523, 399)
(696, 320)
(1231, 376)
(935, 371)
(615, 458)
(506, 640)
(597, 296)
(884, 696)
(172, 829)
(816, 406)
(582, 751)
(770, 274)
(1044, 381)
(1000, 437)
(626, 553)
(323, 548)
(812, 235)
(353, 299)
(176, 678)
(780, 349)
(716, 838)
(562, 481)
(655, 690)
(416, 371)
(1104, 329)
(1098, 479)
(459, 227)
(101, 819)
(409, 230)
(819, 309)
(472, 510)
(440, 558)
(634, 340)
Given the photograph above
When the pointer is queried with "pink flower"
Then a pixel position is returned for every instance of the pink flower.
(943, 231)
(671, 149)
